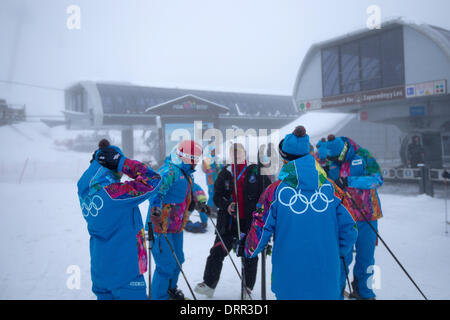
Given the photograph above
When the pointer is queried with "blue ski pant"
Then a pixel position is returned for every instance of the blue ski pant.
(210, 202)
(364, 259)
(134, 290)
(167, 270)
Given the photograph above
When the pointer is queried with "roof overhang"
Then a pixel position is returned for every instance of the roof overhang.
(191, 103)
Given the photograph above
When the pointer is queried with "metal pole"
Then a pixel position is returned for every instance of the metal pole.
(243, 284)
(23, 171)
(179, 264)
(446, 216)
(348, 279)
(263, 274)
(150, 241)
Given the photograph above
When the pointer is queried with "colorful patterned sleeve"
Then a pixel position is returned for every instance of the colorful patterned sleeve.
(199, 194)
(145, 182)
(372, 179)
(263, 224)
(168, 178)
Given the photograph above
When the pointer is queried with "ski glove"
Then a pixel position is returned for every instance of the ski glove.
(109, 158)
(342, 182)
(155, 216)
(202, 207)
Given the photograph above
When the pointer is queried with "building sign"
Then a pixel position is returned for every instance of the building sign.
(374, 96)
(189, 106)
(363, 116)
(417, 111)
(425, 89)
(309, 105)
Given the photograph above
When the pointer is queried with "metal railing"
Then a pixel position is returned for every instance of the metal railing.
(425, 177)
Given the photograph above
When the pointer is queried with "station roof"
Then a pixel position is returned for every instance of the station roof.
(242, 105)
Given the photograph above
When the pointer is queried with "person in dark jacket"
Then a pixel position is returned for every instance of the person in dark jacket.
(250, 185)
(416, 153)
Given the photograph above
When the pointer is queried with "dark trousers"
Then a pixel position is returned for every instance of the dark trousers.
(215, 261)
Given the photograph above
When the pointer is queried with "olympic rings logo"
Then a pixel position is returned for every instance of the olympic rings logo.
(298, 196)
(94, 206)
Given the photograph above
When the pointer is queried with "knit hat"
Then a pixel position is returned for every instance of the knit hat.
(295, 144)
(322, 149)
(334, 146)
(104, 143)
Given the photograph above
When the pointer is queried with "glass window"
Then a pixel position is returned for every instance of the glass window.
(330, 71)
(392, 57)
(107, 104)
(370, 63)
(350, 67)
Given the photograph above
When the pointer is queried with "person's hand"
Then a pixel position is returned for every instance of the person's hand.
(269, 250)
(203, 207)
(155, 216)
(93, 156)
(232, 208)
(109, 158)
(342, 182)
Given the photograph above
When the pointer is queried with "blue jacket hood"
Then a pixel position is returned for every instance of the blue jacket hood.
(95, 178)
(301, 173)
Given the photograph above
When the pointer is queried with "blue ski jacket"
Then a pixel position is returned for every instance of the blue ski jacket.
(114, 222)
(311, 227)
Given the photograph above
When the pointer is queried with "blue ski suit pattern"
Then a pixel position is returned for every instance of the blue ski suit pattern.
(174, 191)
(114, 223)
(311, 230)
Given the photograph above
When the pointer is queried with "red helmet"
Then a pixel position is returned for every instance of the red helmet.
(189, 151)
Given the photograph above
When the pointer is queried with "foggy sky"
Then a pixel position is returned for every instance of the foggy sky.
(247, 46)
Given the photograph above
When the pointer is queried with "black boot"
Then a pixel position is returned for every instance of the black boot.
(175, 294)
(355, 293)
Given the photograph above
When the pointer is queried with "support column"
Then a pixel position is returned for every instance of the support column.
(128, 142)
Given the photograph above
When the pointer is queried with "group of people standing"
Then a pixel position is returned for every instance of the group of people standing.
(317, 210)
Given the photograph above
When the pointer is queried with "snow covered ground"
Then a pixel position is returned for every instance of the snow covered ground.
(43, 234)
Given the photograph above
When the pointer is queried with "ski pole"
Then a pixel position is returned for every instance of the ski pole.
(243, 284)
(150, 240)
(228, 252)
(179, 265)
(178, 262)
(384, 243)
(223, 244)
(346, 274)
(446, 198)
(263, 274)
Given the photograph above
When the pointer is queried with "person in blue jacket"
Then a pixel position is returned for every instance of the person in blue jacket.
(114, 222)
(169, 211)
(358, 174)
(311, 227)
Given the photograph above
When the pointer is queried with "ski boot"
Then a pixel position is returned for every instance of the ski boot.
(195, 227)
(176, 294)
(203, 288)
